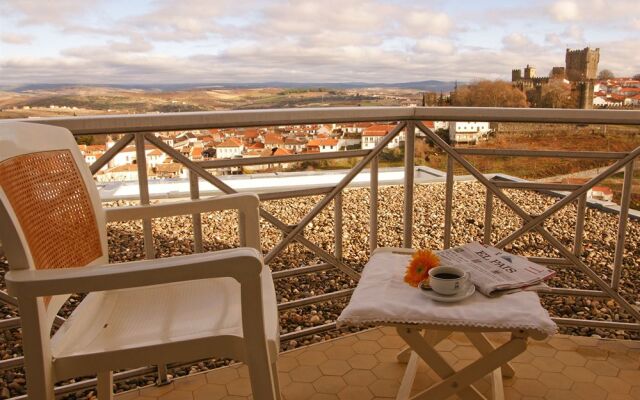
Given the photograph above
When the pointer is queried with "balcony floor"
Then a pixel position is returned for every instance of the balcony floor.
(362, 366)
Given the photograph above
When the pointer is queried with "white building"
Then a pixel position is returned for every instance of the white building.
(468, 132)
(293, 144)
(229, 148)
(600, 101)
(323, 145)
(345, 143)
(128, 156)
(155, 157)
(128, 172)
(372, 135)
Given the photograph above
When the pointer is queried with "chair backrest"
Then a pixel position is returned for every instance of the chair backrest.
(50, 210)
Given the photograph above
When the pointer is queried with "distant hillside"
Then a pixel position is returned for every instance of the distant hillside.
(429, 85)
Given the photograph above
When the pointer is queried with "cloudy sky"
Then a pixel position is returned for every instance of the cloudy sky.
(206, 41)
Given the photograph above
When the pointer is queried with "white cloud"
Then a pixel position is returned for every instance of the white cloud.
(305, 40)
(427, 22)
(517, 41)
(565, 11)
(46, 12)
(13, 38)
(434, 46)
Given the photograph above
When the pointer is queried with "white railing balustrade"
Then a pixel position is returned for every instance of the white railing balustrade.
(140, 130)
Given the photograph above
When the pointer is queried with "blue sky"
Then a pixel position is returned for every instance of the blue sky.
(196, 41)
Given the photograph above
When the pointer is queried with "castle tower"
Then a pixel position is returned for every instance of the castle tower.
(516, 75)
(582, 64)
(529, 72)
(585, 94)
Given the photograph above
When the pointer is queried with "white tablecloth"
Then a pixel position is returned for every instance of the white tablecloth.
(382, 297)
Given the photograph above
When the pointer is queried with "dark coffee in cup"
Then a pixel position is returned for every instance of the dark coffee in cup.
(448, 281)
(446, 275)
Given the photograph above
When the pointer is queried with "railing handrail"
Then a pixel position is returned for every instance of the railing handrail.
(124, 123)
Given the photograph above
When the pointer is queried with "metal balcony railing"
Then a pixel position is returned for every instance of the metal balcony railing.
(140, 130)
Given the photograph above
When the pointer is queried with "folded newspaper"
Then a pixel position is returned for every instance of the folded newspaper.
(493, 271)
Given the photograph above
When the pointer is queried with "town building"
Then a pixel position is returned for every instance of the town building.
(229, 148)
(468, 132)
(373, 134)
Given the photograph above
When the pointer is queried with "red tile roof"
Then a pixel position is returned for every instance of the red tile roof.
(282, 152)
(378, 130)
(429, 124)
(322, 142)
(272, 138)
(230, 143)
(250, 133)
(257, 145)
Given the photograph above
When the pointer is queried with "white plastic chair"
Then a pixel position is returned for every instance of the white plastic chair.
(218, 304)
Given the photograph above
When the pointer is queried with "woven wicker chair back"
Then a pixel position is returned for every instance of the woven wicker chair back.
(53, 207)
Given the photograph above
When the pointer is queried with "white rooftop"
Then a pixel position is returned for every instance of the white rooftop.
(263, 183)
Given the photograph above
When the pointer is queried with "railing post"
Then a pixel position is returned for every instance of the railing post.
(143, 184)
(582, 208)
(409, 146)
(488, 217)
(163, 375)
(337, 227)
(373, 205)
(622, 224)
(194, 189)
(448, 203)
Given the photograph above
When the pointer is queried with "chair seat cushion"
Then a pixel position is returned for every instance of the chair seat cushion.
(161, 314)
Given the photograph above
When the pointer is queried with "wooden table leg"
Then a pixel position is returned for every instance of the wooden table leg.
(432, 337)
(484, 346)
(437, 363)
(461, 381)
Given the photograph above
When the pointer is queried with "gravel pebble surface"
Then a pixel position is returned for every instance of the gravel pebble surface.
(174, 236)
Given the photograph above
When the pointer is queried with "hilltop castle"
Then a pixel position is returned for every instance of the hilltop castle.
(581, 68)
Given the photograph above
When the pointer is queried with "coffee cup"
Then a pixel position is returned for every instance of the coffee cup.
(448, 281)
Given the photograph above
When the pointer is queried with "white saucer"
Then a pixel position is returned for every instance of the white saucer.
(463, 294)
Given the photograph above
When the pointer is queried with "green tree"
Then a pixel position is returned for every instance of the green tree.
(489, 94)
(606, 74)
(84, 139)
(556, 94)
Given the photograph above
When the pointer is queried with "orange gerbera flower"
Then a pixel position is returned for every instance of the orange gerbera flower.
(418, 269)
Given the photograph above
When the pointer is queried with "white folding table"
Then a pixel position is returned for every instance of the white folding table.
(383, 298)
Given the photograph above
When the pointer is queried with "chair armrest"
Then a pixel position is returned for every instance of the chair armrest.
(241, 264)
(247, 203)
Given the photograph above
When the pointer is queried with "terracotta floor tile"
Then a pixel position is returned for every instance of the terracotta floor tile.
(305, 373)
(311, 357)
(177, 395)
(384, 388)
(210, 392)
(579, 374)
(334, 367)
(366, 347)
(329, 384)
(613, 384)
(355, 393)
(363, 361)
(359, 377)
(239, 387)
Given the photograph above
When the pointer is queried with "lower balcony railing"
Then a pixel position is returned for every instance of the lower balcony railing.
(569, 255)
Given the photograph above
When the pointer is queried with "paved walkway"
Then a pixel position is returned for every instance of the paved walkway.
(363, 366)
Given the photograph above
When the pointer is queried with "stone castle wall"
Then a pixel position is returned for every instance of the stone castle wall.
(582, 64)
